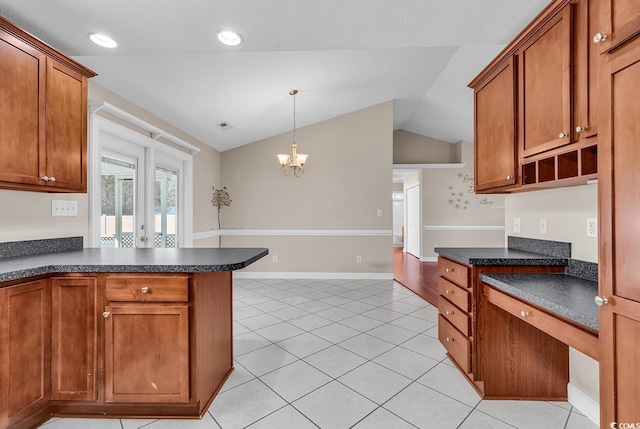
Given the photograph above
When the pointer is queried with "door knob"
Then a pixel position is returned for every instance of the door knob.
(144, 289)
(601, 301)
(580, 129)
(106, 314)
(562, 135)
(524, 313)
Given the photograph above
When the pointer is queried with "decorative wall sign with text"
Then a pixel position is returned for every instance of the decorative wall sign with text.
(459, 192)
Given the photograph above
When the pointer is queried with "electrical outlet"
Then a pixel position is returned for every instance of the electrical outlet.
(543, 225)
(592, 227)
(275, 258)
(358, 259)
(516, 225)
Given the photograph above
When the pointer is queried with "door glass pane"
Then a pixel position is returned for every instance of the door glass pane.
(166, 208)
(117, 220)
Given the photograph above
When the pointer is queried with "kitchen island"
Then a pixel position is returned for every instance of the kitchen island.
(113, 332)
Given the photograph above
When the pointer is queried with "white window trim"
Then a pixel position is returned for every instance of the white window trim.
(98, 124)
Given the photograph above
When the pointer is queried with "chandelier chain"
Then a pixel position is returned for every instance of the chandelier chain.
(294, 118)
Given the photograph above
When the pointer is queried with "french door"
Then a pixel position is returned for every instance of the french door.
(141, 197)
(122, 199)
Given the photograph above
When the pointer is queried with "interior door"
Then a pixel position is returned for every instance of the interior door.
(413, 221)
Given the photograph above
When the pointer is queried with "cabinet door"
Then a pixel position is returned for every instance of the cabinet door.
(495, 129)
(545, 87)
(24, 356)
(620, 22)
(66, 128)
(147, 353)
(619, 199)
(585, 71)
(22, 122)
(73, 339)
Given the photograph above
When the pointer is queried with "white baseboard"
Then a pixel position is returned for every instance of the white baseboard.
(583, 403)
(309, 275)
(429, 259)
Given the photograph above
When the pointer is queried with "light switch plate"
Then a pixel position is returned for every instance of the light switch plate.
(64, 208)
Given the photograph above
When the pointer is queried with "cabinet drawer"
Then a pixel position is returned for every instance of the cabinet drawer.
(454, 293)
(458, 346)
(579, 338)
(145, 287)
(458, 274)
(453, 314)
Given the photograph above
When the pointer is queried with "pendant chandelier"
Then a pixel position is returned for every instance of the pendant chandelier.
(294, 162)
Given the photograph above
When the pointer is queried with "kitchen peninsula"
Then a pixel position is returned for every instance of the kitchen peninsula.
(113, 332)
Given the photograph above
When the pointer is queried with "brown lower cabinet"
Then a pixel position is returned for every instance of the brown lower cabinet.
(139, 337)
(487, 345)
(73, 338)
(25, 337)
(113, 345)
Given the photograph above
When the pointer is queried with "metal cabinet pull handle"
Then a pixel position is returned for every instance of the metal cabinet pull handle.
(106, 314)
(449, 313)
(449, 339)
(580, 129)
(562, 135)
(509, 177)
(45, 178)
(144, 289)
(600, 301)
(449, 292)
(52, 179)
(524, 313)
(449, 270)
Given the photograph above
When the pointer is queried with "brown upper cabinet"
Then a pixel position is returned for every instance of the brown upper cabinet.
(545, 86)
(43, 115)
(553, 103)
(495, 128)
(620, 23)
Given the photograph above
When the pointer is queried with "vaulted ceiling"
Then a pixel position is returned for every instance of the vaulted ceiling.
(342, 55)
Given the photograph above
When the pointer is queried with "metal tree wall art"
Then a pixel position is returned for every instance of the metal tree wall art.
(220, 199)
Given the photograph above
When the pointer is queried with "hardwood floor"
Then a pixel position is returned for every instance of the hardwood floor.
(420, 277)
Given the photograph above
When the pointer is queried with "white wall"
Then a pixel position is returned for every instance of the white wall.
(452, 214)
(566, 210)
(347, 179)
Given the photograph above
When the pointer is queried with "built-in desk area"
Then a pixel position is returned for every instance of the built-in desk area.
(509, 315)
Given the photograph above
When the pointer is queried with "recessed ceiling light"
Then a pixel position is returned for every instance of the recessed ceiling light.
(102, 40)
(229, 37)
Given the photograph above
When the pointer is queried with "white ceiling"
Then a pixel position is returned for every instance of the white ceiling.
(342, 55)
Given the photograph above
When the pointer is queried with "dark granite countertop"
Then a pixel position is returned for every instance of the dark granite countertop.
(498, 256)
(565, 295)
(142, 260)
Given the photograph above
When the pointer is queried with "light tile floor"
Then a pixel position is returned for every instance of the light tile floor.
(360, 354)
